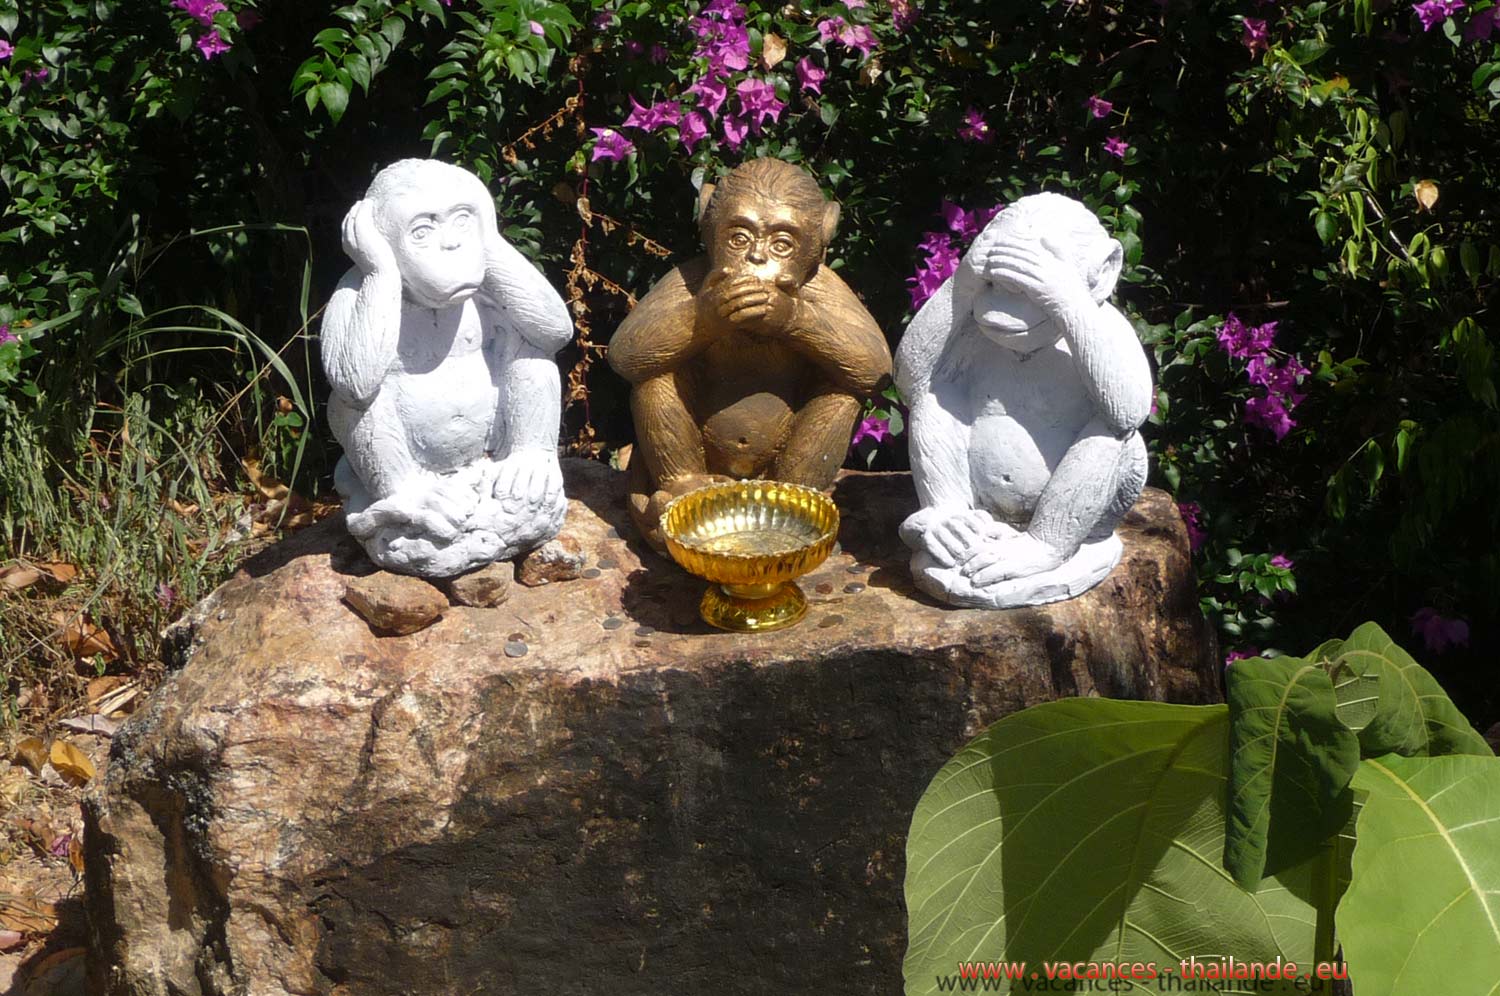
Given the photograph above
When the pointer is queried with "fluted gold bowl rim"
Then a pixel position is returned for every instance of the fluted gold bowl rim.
(809, 507)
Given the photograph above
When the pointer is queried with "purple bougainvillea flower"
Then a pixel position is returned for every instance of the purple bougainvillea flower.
(810, 76)
(202, 11)
(723, 39)
(854, 4)
(5, 49)
(1434, 12)
(828, 30)
(1283, 561)
(942, 258)
(735, 130)
(1116, 146)
(903, 13)
(1437, 632)
(657, 54)
(758, 102)
(603, 21)
(710, 93)
(975, 128)
(1269, 412)
(1242, 341)
(1099, 107)
(1241, 655)
(211, 45)
(1482, 25)
(611, 145)
(38, 75)
(859, 37)
(661, 114)
(871, 427)
(694, 129)
(6, 336)
(535, 27)
(1256, 37)
(1192, 518)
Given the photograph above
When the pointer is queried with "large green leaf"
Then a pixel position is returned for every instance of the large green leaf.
(1423, 912)
(1412, 714)
(1290, 763)
(1089, 829)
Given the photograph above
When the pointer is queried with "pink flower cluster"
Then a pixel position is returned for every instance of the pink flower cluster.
(1192, 518)
(903, 14)
(856, 36)
(1434, 12)
(1437, 632)
(210, 43)
(975, 128)
(875, 427)
(1257, 36)
(1280, 383)
(5, 50)
(1482, 25)
(943, 249)
(7, 336)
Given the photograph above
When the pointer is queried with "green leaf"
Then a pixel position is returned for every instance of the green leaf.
(335, 97)
(1424, 904)
(1413, 715)
(1089, 829)
(1290, 764)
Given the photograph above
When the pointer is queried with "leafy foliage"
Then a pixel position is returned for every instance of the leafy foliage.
(1094, 830)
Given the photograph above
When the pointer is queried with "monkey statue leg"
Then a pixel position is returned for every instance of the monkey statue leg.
(668, 458)
(819, 439)
(1129, 482)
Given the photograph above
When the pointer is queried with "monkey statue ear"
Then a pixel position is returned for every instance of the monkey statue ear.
(830, 221)
(1106, 270)
(705, 194)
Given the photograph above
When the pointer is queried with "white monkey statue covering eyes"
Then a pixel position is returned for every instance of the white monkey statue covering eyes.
(438, 344)
(1027, 389)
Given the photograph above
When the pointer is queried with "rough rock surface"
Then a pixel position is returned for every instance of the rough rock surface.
(482, 589)
(395, 604)
(561, 559)
(585, 790)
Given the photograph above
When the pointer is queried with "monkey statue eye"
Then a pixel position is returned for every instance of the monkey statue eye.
(461, 221)
(783, 245)
(739, 241)
(420, 233)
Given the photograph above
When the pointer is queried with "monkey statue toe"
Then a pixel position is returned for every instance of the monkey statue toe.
(1027, 390)
(749, 361)
(438, 344)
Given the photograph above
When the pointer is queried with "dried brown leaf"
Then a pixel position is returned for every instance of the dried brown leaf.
(772, 51)
(82, 638)
(267, 484)
(72, 763)
(61, 572)
(1426, 193)
(15, 577)
(30, 752)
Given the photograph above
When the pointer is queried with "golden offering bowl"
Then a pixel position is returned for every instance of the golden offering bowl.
(751, 539)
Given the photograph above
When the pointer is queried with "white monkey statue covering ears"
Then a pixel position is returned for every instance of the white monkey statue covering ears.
(1027, 389)
(438, 343)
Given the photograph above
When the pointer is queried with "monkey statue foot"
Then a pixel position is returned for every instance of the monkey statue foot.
(647, 506)
(454, 523)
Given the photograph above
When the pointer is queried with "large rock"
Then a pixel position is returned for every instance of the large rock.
(584, 790)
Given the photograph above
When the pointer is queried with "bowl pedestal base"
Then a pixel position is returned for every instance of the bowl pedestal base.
(752, 608)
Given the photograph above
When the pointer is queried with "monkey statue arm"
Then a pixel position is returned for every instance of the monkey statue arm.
(663, 328)
(362, 322)
(831, 327)
(526, 302)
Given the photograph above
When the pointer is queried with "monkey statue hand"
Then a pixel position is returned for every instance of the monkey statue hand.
(1040, 270)
(952, 536)
(365, 243)
(746, 302)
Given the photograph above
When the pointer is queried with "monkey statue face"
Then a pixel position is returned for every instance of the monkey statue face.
(1033, 264)
(756, 237)
(439, 244)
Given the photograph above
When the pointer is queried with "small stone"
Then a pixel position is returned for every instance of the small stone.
(609, 564)
(515, 648)
(482, 589)
(829, 621)
(560, 559)
(854, 587)
(824, 588)
(613, 622)
(394, 604)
